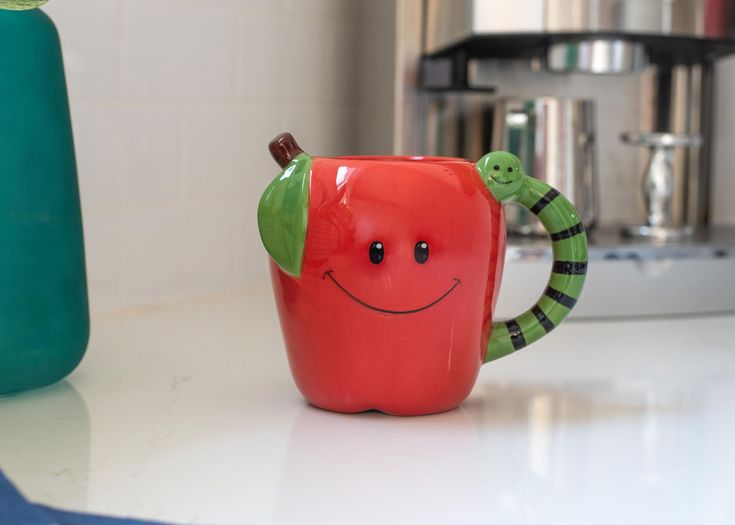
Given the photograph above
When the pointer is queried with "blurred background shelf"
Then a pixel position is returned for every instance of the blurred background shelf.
(609, 245)
(632, 278)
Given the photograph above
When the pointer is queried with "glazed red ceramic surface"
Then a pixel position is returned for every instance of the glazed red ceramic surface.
(404, 335)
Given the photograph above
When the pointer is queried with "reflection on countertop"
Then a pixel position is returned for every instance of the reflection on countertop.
(44, 442)
(188, 413)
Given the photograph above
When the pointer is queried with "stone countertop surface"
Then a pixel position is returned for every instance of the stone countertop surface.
(187, 413)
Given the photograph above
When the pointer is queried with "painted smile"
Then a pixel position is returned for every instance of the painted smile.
(500, 181)
(328, 273)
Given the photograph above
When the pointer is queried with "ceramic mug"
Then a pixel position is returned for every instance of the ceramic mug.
(386, 271)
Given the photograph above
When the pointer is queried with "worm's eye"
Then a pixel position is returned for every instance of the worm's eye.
(496, 167)
(421, 252)
(376, 252)
(510, 169)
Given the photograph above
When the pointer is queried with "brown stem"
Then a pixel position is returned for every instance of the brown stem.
(284, 149)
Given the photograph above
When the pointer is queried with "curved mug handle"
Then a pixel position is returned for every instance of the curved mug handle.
(502, 173)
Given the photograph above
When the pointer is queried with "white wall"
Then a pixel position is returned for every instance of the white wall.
(173, 103)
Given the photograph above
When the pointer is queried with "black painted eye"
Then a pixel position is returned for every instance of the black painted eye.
(376, 252)
(510, 170)
(496, 167)
(421, 252)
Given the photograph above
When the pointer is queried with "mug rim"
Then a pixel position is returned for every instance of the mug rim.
(418, 159)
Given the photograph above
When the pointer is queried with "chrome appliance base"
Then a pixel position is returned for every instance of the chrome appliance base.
(658, 232)
(631, 277)
(609, 244)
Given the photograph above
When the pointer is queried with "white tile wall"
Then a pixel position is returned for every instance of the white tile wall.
(173, 50)
(173, 103)
(177, 251)
(92, 32)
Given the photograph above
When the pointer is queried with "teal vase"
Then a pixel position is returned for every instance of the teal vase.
(44, 316)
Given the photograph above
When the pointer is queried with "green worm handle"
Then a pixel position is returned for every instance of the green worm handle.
(502, 173)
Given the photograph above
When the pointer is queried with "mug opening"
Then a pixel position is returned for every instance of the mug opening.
(402, 158)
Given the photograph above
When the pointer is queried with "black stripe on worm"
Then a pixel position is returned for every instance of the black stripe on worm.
(560, 297)
(516, 335)
(570, 267)
(569, 232)
(543, 201)
(541, 316)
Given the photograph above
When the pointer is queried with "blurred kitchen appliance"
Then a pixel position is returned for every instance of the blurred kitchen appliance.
(671, 43)
(661, 196)
(555, 139)
(457, 60)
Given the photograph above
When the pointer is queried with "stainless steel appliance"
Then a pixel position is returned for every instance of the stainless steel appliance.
(672, 44)
(664, 201)
(555, 139)
(648, 66)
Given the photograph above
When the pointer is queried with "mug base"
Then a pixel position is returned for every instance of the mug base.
(389, 411)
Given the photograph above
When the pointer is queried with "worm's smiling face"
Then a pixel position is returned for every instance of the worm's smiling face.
(503, 173)
(505, 168)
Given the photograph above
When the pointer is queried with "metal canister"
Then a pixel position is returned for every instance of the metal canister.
(555, 139)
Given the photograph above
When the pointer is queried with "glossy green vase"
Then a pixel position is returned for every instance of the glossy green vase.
(44, 319)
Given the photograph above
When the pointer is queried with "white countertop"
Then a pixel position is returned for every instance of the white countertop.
(188, 413)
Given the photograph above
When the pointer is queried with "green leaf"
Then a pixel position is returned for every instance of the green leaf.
(20, 5)
(283, 212)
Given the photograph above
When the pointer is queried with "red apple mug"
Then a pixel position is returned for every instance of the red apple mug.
(386, 271)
